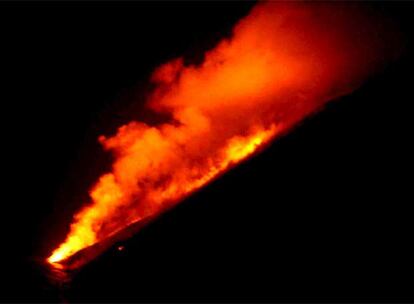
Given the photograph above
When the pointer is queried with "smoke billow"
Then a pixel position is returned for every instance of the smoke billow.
(283, 61)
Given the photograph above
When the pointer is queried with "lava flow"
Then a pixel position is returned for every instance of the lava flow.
(283, 62)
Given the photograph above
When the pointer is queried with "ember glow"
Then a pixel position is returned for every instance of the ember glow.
(283, 62)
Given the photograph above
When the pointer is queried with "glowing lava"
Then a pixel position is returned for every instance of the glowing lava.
(283, 62)
(238, 149)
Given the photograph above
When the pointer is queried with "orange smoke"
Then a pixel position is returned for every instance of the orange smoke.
(283, 62)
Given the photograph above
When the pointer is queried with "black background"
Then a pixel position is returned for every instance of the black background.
(324, 214)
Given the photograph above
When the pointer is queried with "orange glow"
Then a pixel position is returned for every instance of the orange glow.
(283, 62)
(107, 193)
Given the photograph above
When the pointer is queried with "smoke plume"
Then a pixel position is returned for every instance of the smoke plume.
(283, 61)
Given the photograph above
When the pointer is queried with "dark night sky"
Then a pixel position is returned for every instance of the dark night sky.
(325, 214)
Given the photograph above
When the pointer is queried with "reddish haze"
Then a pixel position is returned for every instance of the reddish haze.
(283, 62)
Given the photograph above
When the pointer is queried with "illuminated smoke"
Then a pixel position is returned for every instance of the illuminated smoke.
(283, 62)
